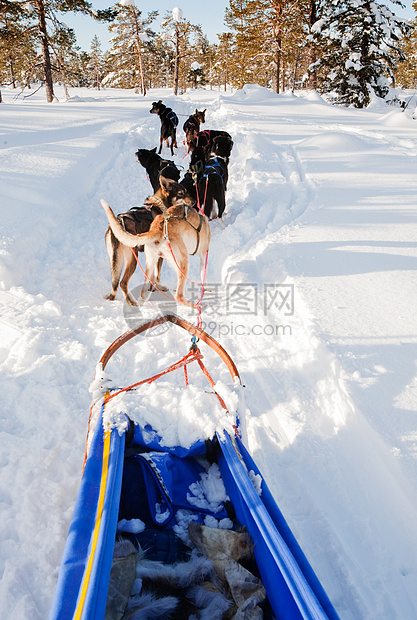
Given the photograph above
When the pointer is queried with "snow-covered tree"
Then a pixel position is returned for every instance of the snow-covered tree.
(266, 36)
(130, 46)
(17, 45)
(96, 64)
(406, 75)
(221, 72)
(359, 40)
(183, 36)
(51, 35)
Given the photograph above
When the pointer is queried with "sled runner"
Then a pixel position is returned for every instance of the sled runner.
(144, 520)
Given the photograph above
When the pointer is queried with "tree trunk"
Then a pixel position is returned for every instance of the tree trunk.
(276, 75)
(142, 77)
(312, 18)
(12, 76)
(294, 79)
(177, 59)
(45, 53)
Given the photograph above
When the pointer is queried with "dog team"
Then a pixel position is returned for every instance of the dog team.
(174, 222)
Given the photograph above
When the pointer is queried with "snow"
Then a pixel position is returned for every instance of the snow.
(177, 14)
(312, 292)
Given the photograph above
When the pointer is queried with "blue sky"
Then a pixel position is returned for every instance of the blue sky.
(210, 15)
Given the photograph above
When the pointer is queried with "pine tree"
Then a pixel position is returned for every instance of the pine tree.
(51, 34)
(17, 45)
(129, 46)
(406, 76)
(265, 34)
(221, 71)
(184, 37)
(96, 62)
(359, 39)
(159, 61)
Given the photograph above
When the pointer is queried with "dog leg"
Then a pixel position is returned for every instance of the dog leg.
(160, 144)
(180, 264)
(158, 275)
(151, 262)
(116, 262)
(221, 204)
(208, 205)
(129, 271)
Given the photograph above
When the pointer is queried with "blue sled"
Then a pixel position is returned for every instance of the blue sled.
(109, 491)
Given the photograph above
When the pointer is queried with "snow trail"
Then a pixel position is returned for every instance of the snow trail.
(320, 222)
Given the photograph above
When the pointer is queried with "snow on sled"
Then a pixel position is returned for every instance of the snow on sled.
(165, 529)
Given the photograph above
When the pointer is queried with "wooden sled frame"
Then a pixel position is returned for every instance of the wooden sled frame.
(175, 320)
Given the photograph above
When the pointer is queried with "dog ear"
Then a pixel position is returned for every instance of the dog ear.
(160, 101)
(154, 150)
(165, 184)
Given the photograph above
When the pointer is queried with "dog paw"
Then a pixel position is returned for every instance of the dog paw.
(110, 296)
(131, 302)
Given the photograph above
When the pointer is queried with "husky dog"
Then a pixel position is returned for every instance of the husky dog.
(213, 183)
(191, 126)
(169, 122)
(155, 166)
(175, 234)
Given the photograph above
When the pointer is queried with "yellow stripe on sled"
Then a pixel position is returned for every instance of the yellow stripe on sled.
(103, 483)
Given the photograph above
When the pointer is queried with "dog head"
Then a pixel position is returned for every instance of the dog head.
(201, 115)
(157, 107)
(143, 156)
(171, 194)
(222, 146)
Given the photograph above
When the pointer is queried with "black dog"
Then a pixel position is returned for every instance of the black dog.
(213, 183)
(195, 171)
(191, 126)
(155, 166)
(204, 139)
(169, 122)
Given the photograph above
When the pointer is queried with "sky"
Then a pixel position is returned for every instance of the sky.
(209, 15)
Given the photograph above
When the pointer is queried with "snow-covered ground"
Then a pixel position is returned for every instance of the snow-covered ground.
(313, 291)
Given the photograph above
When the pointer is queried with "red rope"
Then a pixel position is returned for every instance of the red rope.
(210, 380)
(179, 268)
(192, 355)
(148, 278)
(201, 208)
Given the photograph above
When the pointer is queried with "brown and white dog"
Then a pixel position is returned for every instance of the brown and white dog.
(191, 126)
(137, 220)
(178, 232)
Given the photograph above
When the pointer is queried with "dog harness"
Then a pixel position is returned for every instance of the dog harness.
(203, 137)
(184, 217)
(214, 168)
(172, 117)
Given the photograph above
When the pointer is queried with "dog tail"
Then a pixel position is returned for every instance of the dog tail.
(119, 232)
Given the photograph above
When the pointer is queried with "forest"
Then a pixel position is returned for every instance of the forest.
(348, 49)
